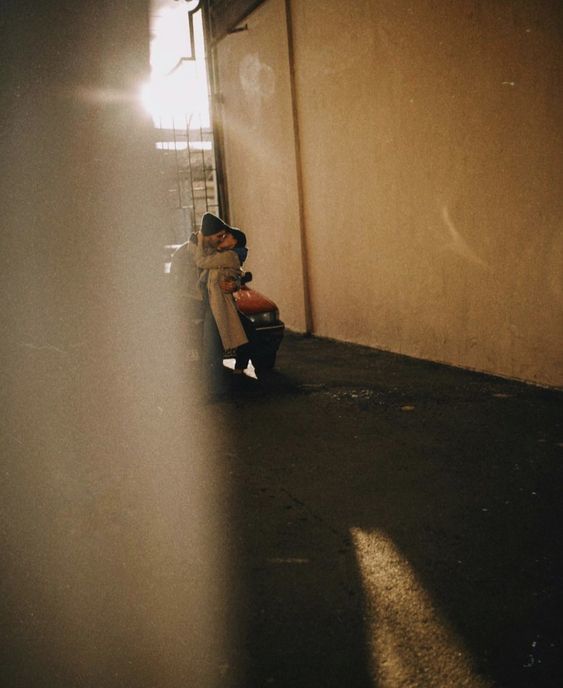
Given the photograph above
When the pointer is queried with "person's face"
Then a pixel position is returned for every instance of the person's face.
(213, 240)
(227, 243)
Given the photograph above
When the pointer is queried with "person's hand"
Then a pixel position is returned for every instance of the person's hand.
(228, 286)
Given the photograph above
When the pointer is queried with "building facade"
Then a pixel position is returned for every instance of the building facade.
(397, 167)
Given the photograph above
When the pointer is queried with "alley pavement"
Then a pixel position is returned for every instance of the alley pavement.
(394, 523)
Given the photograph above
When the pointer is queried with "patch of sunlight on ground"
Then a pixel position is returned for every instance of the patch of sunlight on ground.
(411, 644)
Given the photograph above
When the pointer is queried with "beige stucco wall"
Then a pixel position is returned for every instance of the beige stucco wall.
(432, 169)
(260, 155)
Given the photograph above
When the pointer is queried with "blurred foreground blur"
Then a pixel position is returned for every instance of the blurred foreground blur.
(111, 572)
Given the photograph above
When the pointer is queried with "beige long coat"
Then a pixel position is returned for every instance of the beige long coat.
(216, 266)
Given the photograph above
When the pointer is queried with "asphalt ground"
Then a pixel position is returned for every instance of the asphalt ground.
(393, 523)
(354, 519)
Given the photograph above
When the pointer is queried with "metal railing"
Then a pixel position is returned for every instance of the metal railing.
(188, 168)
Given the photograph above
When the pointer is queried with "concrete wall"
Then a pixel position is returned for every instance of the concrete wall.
(432, 159)
(260, 155)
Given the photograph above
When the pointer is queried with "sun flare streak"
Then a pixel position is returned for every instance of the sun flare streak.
(457, 243)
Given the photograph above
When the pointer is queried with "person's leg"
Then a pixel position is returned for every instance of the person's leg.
(212, 353)
(244, 352)
(242, 358)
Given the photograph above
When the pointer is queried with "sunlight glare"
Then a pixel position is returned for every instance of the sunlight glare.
(176, 94)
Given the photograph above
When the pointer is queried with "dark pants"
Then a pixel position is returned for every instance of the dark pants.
(244, 352)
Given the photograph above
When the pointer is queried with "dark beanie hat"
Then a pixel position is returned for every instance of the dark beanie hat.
(211, 224)
(239, 236)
